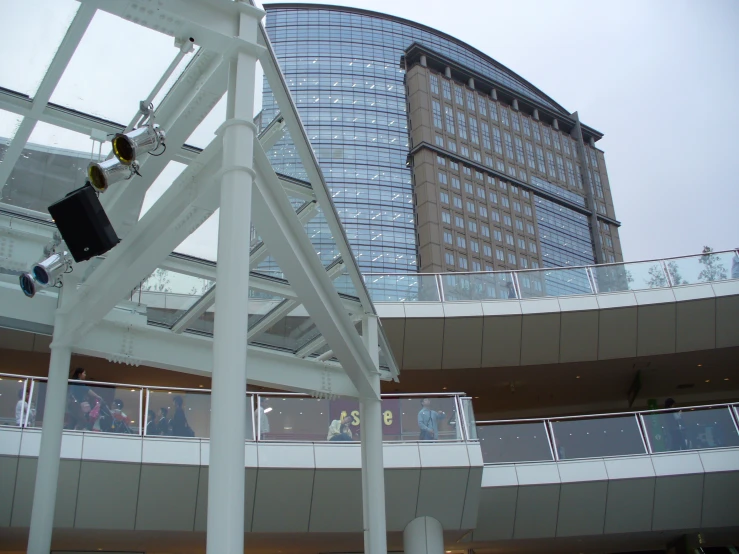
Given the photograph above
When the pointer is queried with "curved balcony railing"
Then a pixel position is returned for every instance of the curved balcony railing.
(608, 435)
(94, 407)
(553, 282)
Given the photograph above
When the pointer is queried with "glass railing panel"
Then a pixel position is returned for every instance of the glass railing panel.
(691, 429)
(428, 419)
(631, 276)
(460, 287)
(706, 268)
(178, 413)
(514, 442)
(554, 282)
(14, 401)
(295, 418)
(408, 287)
(469, 418)
(597, 437)
(93, 407)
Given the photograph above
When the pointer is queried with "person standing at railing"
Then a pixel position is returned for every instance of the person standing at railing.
(80, 401)
(23, 407)
(151, 424)
(180, 427)
(339, 429)
(260, 415)
(428, 421)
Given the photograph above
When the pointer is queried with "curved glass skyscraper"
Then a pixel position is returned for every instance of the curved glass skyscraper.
(346, 69)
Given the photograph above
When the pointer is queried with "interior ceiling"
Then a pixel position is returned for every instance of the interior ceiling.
(498, 393)
(153, 542)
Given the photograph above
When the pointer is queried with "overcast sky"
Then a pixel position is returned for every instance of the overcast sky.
(659, 78)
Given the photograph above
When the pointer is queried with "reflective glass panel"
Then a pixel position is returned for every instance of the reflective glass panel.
(52, 164)
(469, 416)
(690, 429)
(168, 294)
(94, 407)
(33, 29)
(597, 437)
(631, 276)
(14, 402)
(514, 442)
(477, 286)
(178, 413)
(554, 282)
(116, 65)
(9, 123)
(707, 268)
(410, 287)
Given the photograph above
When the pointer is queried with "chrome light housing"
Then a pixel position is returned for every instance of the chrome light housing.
(129, 147)
(103, 174)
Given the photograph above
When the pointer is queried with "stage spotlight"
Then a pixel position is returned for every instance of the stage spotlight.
(48, 272)
(128, 147)
(28, 285)
(104, 174)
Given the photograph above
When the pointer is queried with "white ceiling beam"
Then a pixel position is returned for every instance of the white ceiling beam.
(184, 206)
(278, 312)
(63, 55)
(291, 248)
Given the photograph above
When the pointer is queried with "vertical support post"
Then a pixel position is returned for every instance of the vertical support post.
(423, 535)
(373, 469)
(47, 472)
(226, 476)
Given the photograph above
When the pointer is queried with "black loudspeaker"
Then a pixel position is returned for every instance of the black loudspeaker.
(83, 224)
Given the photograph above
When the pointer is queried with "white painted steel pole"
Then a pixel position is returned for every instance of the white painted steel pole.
(423, 535)
(373, 471)
(47, 472)
(225, 530)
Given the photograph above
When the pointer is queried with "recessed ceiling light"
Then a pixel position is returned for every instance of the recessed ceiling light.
(700, 365)
(577, 377)
(726, 378)
(708, 380)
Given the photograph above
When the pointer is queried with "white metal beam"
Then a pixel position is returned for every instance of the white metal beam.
(289, 244)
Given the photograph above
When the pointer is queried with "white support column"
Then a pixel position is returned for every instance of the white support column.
(373, 469)
(225, 531)
(423, 535)
(47, 472)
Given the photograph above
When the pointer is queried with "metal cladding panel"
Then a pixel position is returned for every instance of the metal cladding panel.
(287, 456)
(30, 442)
(72, 446)
(714, 461)
(536, 511)
(177, 452)
(167, 498)
(678, 502)
(66, 493)
(629, 505)
(201, 503)
(727, 330)
(577, 471)
(538, 474)
(462, 339)
(118, 485)
(577, 303)
(395, 333)
(578, 336)
(441, 495)
(540, 339)
(696, 325)
(617, 333)
(8, 474)
(656, 329)
(472, 498)
(10, 441)
(401, 497)
(496, 514)
(629, 468)
(273, 513)
(443, 454)
(424, 340)
(339, 456)
(677, 463)
(501, 341)
(111, 448)
(572, 518)
(336, 505)
(499, 476)
(720, 492)
(400, 456)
